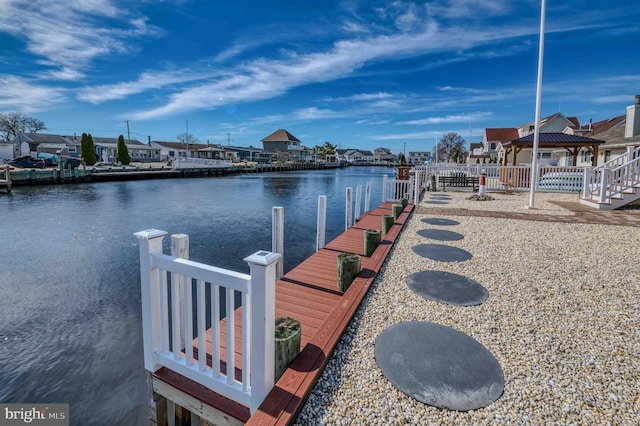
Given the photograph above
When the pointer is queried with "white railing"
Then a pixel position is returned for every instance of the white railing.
(199, 163)
(395, 189)
(613, 178)
(168, 322)
(515, 178)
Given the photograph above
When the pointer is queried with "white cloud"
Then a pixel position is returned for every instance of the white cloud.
(68, 35)
(23, 95)
(460, 118)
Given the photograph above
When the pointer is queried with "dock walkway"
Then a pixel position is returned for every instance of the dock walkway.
(309, 294)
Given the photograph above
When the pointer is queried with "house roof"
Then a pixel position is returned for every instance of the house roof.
(114, 141)
(603, 125)
(280, 135)
(501, 134)
(46, 138)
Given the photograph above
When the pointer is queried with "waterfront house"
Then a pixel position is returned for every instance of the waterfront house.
(418, 157)
(384, 155)
(35, 143)
(107, 148)
(286, 146)
(355, 155)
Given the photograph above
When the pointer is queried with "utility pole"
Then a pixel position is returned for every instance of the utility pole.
(228, 138)
(128, 133)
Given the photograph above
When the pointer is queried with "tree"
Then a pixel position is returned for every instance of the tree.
(402, 159)
(88, 150)
(122, 156)
(451, 148)
(14, 123)
(327, 149)
(187, 138)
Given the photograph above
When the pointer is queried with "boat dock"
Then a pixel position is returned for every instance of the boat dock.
(6, 182)
(307, 293)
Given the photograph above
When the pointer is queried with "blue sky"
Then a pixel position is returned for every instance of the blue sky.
(357, 73)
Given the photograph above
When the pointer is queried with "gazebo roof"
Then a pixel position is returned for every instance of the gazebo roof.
(571, 143)
(553, 140)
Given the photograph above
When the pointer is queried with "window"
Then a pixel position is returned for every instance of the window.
(585, 156)
(492, 146)
(172, 153)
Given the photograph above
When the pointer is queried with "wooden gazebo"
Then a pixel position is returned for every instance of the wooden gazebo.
(571, 143)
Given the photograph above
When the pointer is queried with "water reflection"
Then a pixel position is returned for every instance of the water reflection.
(69, 277)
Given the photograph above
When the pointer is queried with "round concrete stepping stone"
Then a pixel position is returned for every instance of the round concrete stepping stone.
(442, 252)
(440, 221)
(447, 287)
(440, 235)
(439, 366)
(436, 202)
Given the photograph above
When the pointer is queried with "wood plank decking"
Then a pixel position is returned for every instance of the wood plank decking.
(309, 294)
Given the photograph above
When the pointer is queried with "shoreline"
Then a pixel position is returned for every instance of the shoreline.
(561, 319)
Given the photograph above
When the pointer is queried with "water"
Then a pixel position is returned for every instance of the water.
(70, 324)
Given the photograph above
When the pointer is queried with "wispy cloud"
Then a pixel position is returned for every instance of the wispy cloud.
(461, 118)
(68, 35)
(26, 96)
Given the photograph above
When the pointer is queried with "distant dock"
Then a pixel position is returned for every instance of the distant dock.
(53, 176)
(6, 182)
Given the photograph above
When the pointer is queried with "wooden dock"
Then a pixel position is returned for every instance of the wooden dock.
(6, 182)
(309, 294)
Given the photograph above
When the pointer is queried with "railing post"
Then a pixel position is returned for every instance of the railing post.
(586, 182)
(277, 238)
(358, 201)
(384, 188)
(416, 188)
(604, 184)
(180, 248)
(150, 242)
(263, 311)
(348, 209)
(322, 222)
(367, 197)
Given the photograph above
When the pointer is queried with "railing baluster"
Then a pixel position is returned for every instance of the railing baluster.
(202, 326)
(164, 311)
(176, 320)
(188, 320)
(215, 330)
(230, 337)
(246, 341)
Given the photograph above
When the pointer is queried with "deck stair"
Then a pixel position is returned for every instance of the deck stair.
(613, 184)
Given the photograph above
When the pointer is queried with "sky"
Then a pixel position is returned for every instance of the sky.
(357, 73)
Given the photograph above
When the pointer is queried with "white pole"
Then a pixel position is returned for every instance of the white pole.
(322, 222)
(349, 209)
(277, 238)
(358, 202)
(536, 132)
(367, 197)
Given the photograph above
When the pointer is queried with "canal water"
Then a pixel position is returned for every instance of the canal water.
(70, 322)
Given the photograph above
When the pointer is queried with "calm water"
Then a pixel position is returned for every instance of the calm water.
(70, 327)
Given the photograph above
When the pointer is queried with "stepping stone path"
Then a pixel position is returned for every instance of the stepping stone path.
(439, 366)
(440, 221)
(447, 287)
(442, 252)
(440, 235)
(436, 202)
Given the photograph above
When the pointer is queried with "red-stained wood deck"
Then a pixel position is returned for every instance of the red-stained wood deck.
(309, 294)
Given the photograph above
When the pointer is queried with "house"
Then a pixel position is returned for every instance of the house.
(556, 123)
(477, 154)
(355, 155)
(418, 157)
(621, 134)
(107, 148)
(250, 154)
(384, 155)
(494, 136)
(170, 151)
(35, 143)
(284, 144)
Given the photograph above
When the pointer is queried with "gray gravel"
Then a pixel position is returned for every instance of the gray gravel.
(562, 319)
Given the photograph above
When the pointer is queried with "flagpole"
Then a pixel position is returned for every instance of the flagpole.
(536, 132)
